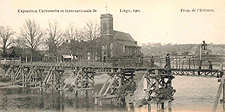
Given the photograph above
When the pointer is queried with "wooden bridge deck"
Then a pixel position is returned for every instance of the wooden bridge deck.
(107, 68)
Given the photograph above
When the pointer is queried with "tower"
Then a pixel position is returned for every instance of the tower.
(106, 26)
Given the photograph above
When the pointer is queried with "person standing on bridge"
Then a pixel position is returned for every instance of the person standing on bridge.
(152, 61)
(210, 65)
(167, 61)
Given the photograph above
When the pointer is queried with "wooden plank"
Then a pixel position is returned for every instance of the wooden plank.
(112, 96)
(70, 78)
(218, 93)
(46, 77)
(103, 87)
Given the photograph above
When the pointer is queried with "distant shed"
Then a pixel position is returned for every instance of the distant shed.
(68, 58)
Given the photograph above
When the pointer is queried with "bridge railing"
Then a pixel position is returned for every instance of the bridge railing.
(10, 60)
(175, 62)
(86, 63)
(189, 62)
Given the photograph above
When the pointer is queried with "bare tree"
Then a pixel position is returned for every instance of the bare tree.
(33, 35)
(73, 33)
(54, 38)
(6, 33)
(92, 31)
(75, 36)
(19, 42)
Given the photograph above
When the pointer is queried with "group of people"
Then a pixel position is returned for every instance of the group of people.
(167, 61)
(167, 65)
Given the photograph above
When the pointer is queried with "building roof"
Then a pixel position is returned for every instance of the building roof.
(67, 56)
(123, 36)
(124, 39)
(127, 43)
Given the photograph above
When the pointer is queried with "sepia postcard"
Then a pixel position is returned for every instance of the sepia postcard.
(112, 55)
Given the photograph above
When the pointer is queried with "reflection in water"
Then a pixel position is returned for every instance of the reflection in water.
(33, 99)
(193, 94)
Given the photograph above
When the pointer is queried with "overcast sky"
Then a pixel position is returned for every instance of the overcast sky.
(159, 20)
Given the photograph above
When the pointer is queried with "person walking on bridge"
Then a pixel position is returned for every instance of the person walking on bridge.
(210, 65)
(167, 61)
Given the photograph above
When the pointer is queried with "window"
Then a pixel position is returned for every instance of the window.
(104, 26)
(124, 50)
(111, 46)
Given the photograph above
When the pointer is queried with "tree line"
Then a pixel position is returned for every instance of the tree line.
(32, 36)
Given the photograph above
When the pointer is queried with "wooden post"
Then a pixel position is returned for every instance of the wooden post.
(25, 79)
(92, 91)
(182, 64)
(170, 106)
(120, 78)
(179, 62)
(160, 62)
(87, 92)
(189, 63)
(172, 65)
(86, 79)
(12, 77)
(54, 77)
(76, 92)
(157, 87)
(128, 107)
(176, 63)
(162, 106)
(112, 101)
(158, 107)
(218, 93)
(22, 77)
(149, 107)
(100, 101)
(222, 73)
(103, 87)
(223, 100)
(157, 82)
(81, 92)
(96, 98)
(82, 76)
(35, 79)
(145, 84)
(193, 62)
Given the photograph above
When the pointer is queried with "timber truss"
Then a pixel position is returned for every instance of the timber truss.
(159, 86)
(119, 84)
(197, 72)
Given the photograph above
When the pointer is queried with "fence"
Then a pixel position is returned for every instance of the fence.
(175, 62)
(189, 62)
(11, 61)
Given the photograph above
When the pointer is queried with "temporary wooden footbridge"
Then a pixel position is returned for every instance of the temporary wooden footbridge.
(119, 89)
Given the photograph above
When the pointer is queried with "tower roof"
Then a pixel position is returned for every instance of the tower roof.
(106, 15)
(123, 36)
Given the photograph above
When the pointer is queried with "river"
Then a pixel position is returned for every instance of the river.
(195, 94)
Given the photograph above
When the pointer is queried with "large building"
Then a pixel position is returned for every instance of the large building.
(111, 45)
(116, 44)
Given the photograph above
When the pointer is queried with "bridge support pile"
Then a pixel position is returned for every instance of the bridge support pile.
(51, 78)
(116, 88)
(221, 87)
(157, 88)
(83, 82)
(25, 76)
